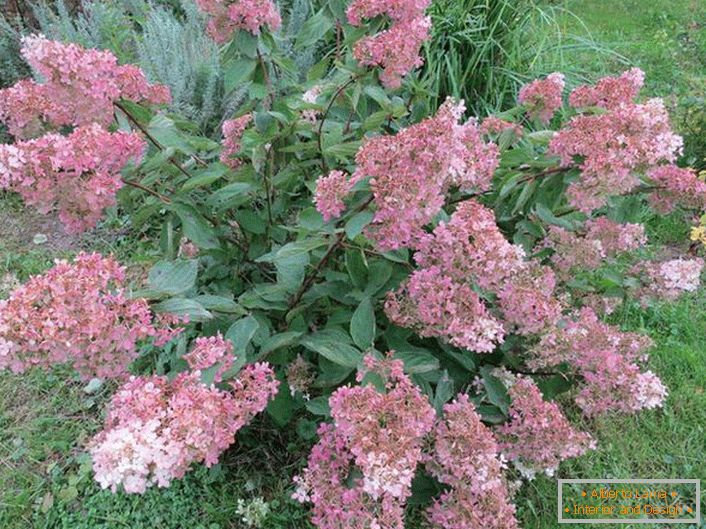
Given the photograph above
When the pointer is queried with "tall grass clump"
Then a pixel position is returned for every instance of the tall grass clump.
(483, 50)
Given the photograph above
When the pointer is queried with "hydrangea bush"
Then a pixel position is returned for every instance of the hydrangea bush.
(424, 284)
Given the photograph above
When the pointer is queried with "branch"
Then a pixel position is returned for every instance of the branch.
(149, 136)
(337, 93)
(311, 276)
(152, 192)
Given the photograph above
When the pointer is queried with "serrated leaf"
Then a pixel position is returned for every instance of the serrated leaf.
(363, 324)
(205, 177)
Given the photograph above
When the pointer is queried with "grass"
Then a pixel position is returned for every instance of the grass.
(666, 39)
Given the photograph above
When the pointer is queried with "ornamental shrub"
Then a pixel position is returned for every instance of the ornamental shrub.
(415, 280)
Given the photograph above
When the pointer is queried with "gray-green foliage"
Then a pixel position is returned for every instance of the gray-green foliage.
(12, 67)
(177, 52)
(169, 43)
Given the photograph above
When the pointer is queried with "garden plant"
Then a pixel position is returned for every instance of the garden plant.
(422, 283)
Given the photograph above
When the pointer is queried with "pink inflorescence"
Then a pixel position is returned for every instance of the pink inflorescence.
(379, 434)
(330, 191)
(667, 280)
(233, 130)
(78, 313)
(613, 146)
(607, 359)
(468, 251)
(77, 174)
(676, 186)
(79, 87)
(465, 456)
(396, 49)
(600, 239)
(411, 171)
(209, 352)
(226, 17)
(609, 92)
(537, 436)
(543, 97)
(156, 429)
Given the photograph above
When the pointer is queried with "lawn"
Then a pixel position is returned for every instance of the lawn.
(45, 419)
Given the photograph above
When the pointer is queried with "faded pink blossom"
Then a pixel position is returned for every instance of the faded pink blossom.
(78, 88)
(77, 175)
(78, 313)
(537, 436)
(329, 194)
(543, 97)
(225, 17)
(233, 130)
(676, 186)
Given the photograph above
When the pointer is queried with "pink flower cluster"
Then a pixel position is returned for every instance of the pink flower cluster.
(667, 280)
(411, 171)
(77, 174)
(226, 17)
(609, 92)
(79, 88)
(79, 313)
(543, 97)
(607, 359)
(601, 239)
(233, 130)
(209, 352)
(396, 49)
(468, 251)
(676, 186)
(379, 434)
(612, 146)
(156, 428)
(330, 191)
(537, 436)
(465, 456)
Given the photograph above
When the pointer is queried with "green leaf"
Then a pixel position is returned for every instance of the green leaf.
(205, 177)
(195, 226)
(292, 249)
(444, 392)
(241, 333)
(363, 324)
(219, 304)
(184, 307)
(163, 129)
(496, 390)
(237, 72)
(319, 406)
(312, 30)
(310, 219)
(173, 277)
(418, 361)
(357, 222)
(329, 345)
(282, 407)
(357, 267)
(230, 196)
(277, 341)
